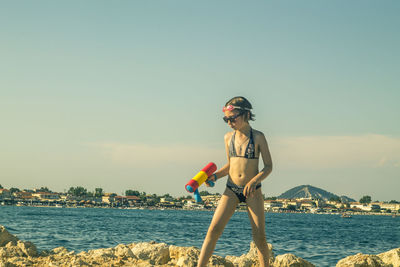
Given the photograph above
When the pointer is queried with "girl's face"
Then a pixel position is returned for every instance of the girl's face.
(235, 118)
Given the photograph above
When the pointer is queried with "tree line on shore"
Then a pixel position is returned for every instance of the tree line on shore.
(80, 191)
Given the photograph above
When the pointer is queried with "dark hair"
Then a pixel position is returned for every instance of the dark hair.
(242, 102)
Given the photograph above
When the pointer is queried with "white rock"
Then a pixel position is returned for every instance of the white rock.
(61, 251)
(290, 260)
(242, 261)
(391, 257)
(152, 252)
(184, 256)
(178, 252)
(102, 253)
(78, 262)
(28, 248)
(14, 262)
(361, 260)
(186, 262)
(11, 250)
(84, 254)
(123, 251)
(251, 258)
(217, 261)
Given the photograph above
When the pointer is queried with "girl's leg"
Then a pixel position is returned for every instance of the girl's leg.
(255, 209)
(226, 208)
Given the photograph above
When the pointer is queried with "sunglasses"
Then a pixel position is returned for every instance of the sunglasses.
(232, 118)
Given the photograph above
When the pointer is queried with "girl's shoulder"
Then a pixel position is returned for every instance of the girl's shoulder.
(258, 134)
(228, 135)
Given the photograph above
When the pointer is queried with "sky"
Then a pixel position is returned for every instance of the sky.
(129, 94)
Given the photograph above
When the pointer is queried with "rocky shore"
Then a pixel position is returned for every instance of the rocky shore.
(14, 252)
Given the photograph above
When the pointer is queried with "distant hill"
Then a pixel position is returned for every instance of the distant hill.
(308, 191)
(346, 199)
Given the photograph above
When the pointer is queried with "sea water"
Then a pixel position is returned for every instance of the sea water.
(319, 238)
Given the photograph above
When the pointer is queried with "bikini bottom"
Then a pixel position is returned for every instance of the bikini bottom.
(238, 190)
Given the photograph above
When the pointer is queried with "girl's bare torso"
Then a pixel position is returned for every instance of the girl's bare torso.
(242, 170)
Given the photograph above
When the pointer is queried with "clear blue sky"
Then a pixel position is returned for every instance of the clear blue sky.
(128, 94)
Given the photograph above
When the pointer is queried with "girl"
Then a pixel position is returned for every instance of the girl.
(243, 147)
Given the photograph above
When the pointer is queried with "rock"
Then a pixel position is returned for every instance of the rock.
(391, 257)
(61, 251)
(123, 251)
(188, 257)
(79, 262)
(178, 252)
(184, 256)
(217, 261)
(242, 261)
(185, 262)
(44, 253)
(102, 253)
(10, 251)
(251, 258)
(19, 261)
(28, 248)
(7, 264)
(154, 253)
(142, 263)
(361, 260)
(14, 252)
(290, 260)
(6, 237)
(83, 254)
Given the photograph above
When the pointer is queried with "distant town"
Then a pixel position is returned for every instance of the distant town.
(80, 197)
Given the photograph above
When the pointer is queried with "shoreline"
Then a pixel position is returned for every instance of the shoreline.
(205, 209)
(14, 252)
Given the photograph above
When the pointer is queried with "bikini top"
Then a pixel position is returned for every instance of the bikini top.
(249, 153)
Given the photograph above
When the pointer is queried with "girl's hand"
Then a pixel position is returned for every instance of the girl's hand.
(249, 189)
(211, 178)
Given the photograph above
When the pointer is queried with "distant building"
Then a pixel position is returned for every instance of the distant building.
(335, 204)
(192, 204)
(211, 200)
(320, 203)
(166, 199)
(108, 198)
(360, 206)
(127, 200)
(5, 194)
(390, 206)
(46, 196)
(272, 205)
(288, 203)
(24, 195)
(64, 197)
(307, 204)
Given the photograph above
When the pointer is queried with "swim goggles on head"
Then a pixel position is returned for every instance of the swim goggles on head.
(231, 107)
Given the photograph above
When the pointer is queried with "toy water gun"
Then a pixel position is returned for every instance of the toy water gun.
(193, 185)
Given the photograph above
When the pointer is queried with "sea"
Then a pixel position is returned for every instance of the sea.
(322, 239)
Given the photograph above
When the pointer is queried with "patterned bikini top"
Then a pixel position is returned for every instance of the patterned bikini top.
(249, 153)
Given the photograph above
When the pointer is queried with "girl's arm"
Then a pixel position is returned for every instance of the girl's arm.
(266, 156)
(250, 187)
(224, 171)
